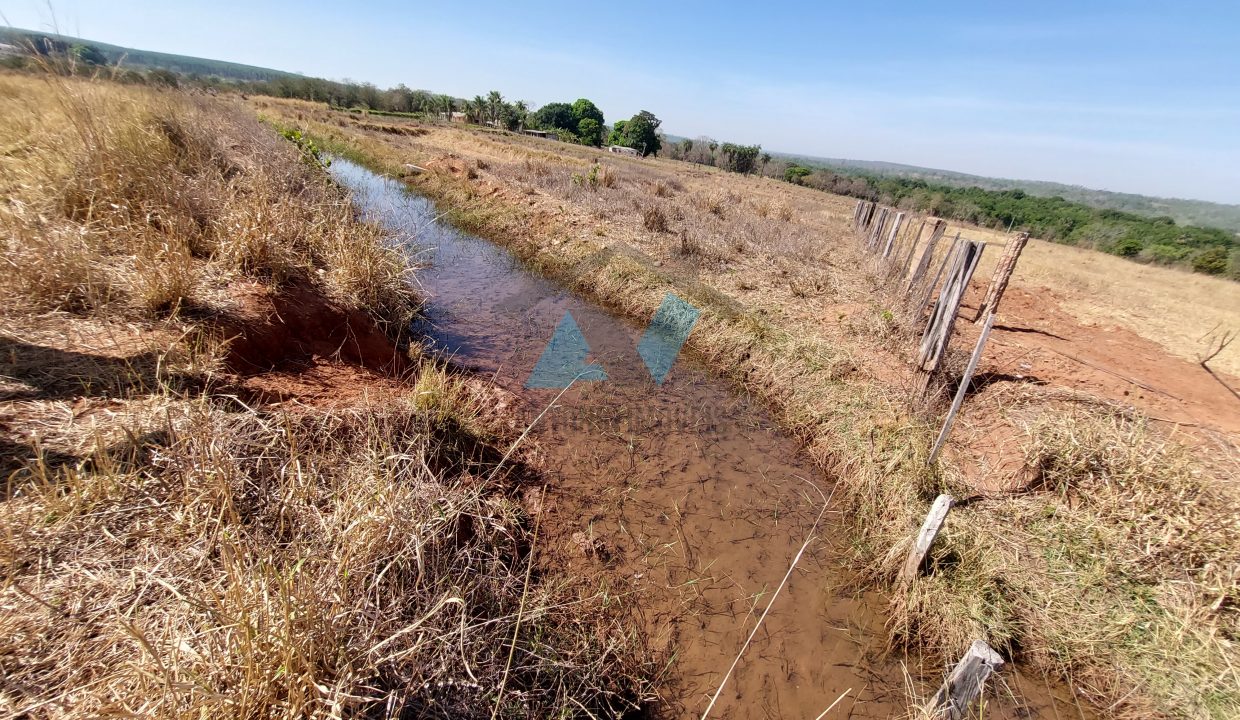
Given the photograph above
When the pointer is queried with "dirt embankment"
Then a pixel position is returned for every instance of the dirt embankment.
(1036, 345)
(295, 344)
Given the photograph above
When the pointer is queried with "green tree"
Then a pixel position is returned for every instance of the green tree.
(556, 116)
(447, 105)
(495, 106)
(475, 109)
(796, 173)
(590, 132)
(584, 109)
(420, 101)
(741, 158)
(640, 133)
(616, 137)
(521, 111)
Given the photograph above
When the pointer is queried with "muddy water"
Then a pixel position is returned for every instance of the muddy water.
(689, 493)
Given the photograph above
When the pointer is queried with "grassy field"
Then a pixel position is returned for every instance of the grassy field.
(206, 514)
(1113, 564)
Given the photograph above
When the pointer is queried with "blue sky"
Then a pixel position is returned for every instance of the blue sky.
(1134, 96)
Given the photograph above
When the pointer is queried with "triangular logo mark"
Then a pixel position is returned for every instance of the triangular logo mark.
(668, 331)
(564, 359)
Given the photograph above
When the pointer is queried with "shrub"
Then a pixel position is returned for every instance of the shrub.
(653, 219)
(1127, 247)
(1164, 254)
(1212, 261)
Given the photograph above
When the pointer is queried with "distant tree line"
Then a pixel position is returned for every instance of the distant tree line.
(1159, 240)
(65, 53)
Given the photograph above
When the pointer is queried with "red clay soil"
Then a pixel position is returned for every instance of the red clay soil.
(294, 346)
(1035, 341)
(273, 330)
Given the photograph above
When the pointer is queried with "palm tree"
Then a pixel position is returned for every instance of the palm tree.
(522, 110)
(475, 109)
(495, 103)
(447, 104)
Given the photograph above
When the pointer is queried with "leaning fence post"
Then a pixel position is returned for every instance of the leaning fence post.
(965, 683)
(891, 236)
(937, 230)
(912, 248)
(877, 230)
(925, 538)
(1003, 273)
(963, 389)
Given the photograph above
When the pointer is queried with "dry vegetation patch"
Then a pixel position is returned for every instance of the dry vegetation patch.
(173, 542)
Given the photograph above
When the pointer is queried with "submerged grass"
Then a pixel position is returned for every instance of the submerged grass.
(1115, 569)
(171, 547)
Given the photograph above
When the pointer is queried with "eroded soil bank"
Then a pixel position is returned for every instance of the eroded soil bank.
(688, 498)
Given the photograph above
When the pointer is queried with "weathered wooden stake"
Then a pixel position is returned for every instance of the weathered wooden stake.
(912, 248)
(936, 233)
(938, 332)
(1003, 273)
(925, 538)
(891, 236)
(877, 230)
(963, 389)
(965, 683)
(947, 258)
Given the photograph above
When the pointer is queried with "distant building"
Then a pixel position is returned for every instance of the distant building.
(622, 150)
(540, 133)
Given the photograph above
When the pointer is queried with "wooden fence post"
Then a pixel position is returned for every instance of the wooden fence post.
(925, 538)
(963, 389)
(965, 683)
(923, 264)
(877, 230)
(1003, 273)
(891, 236)
(943, 319)
(912, 248)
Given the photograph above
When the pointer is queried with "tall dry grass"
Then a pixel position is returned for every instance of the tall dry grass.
(139, 201)
(169, 548)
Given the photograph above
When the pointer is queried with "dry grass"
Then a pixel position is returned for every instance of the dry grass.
(133, 201)
(1122, 555)
(171, 550)
(250, 564)
(1123, 529)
